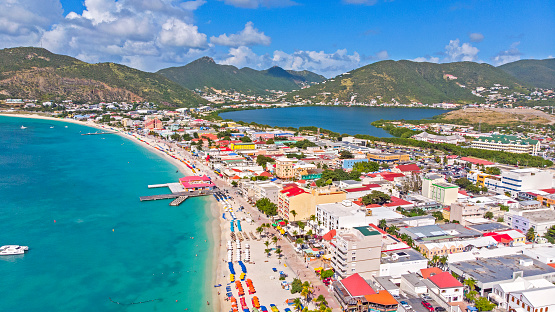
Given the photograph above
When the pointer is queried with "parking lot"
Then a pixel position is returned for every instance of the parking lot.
(416, 304)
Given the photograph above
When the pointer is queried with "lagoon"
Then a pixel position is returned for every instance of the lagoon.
(342, 119)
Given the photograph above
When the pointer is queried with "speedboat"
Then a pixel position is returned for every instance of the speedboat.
(23, 127)
(8, 250)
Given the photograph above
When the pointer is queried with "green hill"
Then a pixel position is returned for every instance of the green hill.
(204, 72)
(407, 81)
(538, 73)
(35, 73)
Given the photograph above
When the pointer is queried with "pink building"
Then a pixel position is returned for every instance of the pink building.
(195, 183)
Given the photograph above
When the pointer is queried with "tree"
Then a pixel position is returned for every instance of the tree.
(550, 234)
(382, 224)
(234, 184)
(327, 273)
(262, 160)
(392, 230)
(270, 141)
(296, 286)
(275, 240)
(488, 215)
(376, 197)
(366, 166)
(483, 304)
(259, 230)
(294, 213)
(344, 154)
(438, 215)
(470, 282)
(530, 235)
(471, 295)
(246, 139)
(267, 251)
(278, 252)
(297, 304)
(301, 225)
(266, 206)
(299, 241)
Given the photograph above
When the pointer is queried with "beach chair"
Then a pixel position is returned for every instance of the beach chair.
(263, 309)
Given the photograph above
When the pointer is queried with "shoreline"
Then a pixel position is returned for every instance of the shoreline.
(215, 224)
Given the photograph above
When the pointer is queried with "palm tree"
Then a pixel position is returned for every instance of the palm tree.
(393, 230)
(443, 260)
(266, 243)
(278, 252)
(382, 224)
(307, 291)
(274, 240)
(297, 304)
(259, 230)
(435, 259)
(267, 252)
(294, 213)
(470, 282)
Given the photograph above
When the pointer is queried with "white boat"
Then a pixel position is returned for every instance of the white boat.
(23, 127)
(52, 127)
(7, 250)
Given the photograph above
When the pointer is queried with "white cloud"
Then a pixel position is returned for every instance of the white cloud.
(429, 59)
(23, 22)
(247, 37)
(327, 64)
(366, 2)
(179, 34)
(382, 55)
(192, 5)
(455, 52)
(253, 4)
(508, 56)
(476, 37)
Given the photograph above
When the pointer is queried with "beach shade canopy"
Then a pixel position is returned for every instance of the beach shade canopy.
(274, 224)
(282, 223)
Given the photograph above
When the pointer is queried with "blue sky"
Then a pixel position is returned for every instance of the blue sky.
(326, 36)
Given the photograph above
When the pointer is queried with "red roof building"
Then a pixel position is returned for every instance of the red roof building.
(329, 235)
(445, 280)
(476, 161)
(426, 273)
(409, 168)
(357, 286)
(195, 183)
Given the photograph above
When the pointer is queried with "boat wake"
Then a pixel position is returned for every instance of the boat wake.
(117, 302)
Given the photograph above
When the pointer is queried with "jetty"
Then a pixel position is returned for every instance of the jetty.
(179, 197)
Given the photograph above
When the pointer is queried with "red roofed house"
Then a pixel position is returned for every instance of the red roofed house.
(351, 291)
(397, 202)
(196, 183)
(410, 168)
(445, 286)
(304, 201)
(476, 161)
(501, 238)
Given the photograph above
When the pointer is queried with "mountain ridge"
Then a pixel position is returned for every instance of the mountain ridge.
(36, 73)
(205, 72)
(407, 81)
(538, 73)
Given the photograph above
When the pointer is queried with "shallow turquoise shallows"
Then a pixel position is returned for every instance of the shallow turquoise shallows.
(351, 120)
(74, 200)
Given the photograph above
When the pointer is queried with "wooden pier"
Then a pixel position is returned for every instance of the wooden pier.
(179, 197)
(178, 201)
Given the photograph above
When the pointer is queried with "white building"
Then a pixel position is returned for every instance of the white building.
(433, 138)
(507, 143)
(535, 300)
(345, 214)
(357, 250)
(526, 179)
(501, 292)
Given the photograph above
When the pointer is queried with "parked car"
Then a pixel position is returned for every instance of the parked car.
(425, 297)
(405, 305)
(440, 309)
(428, 306)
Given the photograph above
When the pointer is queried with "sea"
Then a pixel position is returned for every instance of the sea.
(341, 119)
(93, 246)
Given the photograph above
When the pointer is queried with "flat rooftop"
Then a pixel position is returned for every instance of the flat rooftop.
(540, 216)
(490, 270)
(403, 255)
(489, 227)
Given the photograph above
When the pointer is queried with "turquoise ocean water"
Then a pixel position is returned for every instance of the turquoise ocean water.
(62, 194)
(351, 120)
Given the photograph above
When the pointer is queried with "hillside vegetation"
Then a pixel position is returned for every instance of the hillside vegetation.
(35, 73)
(407, 81)
(204, 72)
(538, 73)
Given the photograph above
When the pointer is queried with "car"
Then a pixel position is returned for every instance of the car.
(430, 308)
(405, 305)
(396, 297)
(425, 297)
(426, 304)
(440, 309)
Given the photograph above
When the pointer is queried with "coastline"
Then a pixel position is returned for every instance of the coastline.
(215, 225)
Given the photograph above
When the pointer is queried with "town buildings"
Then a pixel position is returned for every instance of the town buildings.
(304, 201)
